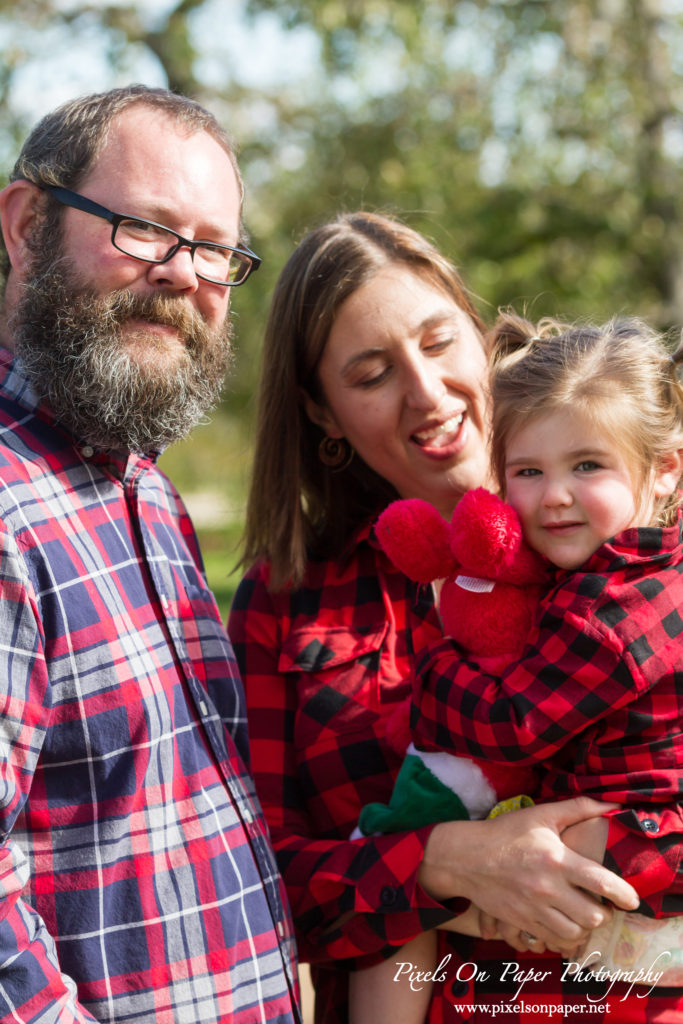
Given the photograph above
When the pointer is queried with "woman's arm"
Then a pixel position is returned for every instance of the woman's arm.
(349, 898)
(354, 898)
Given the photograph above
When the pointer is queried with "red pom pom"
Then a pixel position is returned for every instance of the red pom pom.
(487, 540)
(415, 537)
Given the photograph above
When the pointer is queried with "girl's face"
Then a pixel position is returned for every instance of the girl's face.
(573, 490)
(402, 374)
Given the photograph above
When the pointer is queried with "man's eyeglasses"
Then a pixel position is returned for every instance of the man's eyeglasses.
(153, 243)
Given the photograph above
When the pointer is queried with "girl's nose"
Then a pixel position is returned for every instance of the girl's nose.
(557, 494)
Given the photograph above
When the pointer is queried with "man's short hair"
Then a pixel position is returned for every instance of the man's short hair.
(65, 144)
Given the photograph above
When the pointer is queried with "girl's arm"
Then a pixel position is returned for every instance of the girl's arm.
(645, 845)
(568, 678)
(571, 676)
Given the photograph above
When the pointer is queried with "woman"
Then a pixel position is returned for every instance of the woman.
(373, 387)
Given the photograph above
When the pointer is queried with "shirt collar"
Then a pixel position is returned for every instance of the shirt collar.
(635, 547)
(16, 386)
(364, 534)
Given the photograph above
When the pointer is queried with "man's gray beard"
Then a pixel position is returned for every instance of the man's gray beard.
(69, 342)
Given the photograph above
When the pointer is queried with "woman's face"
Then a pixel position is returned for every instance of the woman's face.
(402, 374)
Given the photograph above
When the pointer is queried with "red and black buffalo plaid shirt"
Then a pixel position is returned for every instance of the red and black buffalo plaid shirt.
(323, 668)
(596, 700)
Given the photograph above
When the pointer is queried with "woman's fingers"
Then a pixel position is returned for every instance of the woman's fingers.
(488, 925)
(517, 869)
(584, 872)
(520, 940)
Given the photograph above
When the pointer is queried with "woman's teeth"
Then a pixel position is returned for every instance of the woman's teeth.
(451, 426)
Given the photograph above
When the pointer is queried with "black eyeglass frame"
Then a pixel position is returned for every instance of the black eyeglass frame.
(79, 202)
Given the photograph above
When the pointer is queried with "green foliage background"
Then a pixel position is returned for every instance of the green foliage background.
(538, 142)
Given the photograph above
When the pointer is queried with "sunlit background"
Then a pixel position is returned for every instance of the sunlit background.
(538, 142)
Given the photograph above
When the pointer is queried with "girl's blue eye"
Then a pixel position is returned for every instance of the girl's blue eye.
(587, 465)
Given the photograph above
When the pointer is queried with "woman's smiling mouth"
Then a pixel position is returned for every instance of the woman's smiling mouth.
(441, 435)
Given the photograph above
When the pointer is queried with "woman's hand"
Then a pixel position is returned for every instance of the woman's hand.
(476, 923)
(517, 869)
(589, 838)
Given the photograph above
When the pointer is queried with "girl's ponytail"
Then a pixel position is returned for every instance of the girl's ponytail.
(510, 334)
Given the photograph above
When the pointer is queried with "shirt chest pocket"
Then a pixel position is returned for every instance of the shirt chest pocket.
(336, 671)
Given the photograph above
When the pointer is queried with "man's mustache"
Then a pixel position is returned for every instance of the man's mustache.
(155, 309)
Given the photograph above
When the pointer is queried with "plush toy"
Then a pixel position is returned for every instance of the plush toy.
(491, 585)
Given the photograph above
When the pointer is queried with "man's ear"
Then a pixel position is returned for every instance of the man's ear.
(321, 416)
(20, 205)
(668, 474)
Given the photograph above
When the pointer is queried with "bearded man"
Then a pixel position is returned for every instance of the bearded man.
(136, 877)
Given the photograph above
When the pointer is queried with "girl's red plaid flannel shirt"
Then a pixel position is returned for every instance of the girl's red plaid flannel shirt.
(596, 700)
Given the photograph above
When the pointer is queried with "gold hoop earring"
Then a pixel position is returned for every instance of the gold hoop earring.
(335, 453)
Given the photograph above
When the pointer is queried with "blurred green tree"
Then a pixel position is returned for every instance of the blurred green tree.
(538, 142)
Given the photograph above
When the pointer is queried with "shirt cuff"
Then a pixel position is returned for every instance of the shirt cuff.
(390, 886)
(645, 847)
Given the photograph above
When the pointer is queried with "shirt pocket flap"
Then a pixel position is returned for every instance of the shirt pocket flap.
(315, 648)
(335, 670)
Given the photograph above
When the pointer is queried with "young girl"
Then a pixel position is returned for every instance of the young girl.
(587, 446)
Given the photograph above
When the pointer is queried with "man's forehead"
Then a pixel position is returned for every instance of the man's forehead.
(144, 127)
(154, 164)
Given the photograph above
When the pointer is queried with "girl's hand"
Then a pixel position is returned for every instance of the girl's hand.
(589, 838)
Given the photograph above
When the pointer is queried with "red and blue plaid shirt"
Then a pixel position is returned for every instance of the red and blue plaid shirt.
(136, 876)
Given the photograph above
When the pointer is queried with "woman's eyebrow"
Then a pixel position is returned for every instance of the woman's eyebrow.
(438, 318)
